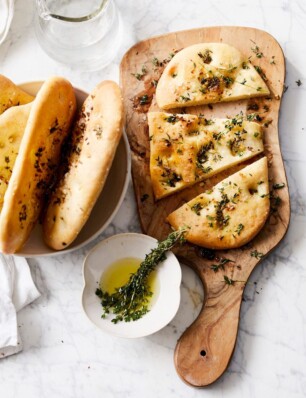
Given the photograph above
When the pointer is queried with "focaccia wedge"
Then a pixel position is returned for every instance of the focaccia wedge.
(11, 95)
(186, 149)
(12, 126)
(49, 121)
(229, 215)
(207, 73)
(95, 138)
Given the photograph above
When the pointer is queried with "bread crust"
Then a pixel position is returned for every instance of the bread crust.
(49, 121)
(95, 138)
(11, 95)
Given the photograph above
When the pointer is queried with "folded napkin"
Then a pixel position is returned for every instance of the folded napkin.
(6, 15)
(17, 290)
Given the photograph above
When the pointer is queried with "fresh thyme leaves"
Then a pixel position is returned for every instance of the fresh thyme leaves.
(227, 81)
(173, 179)
(171, 119)
(144, 99)
(275, 202)
(140, 75)
(130, 302)
(272, 61)
(206, 57)
(156, 62)
(254, 117)
(222, 262)
(299, 83)
(256, 254)
(222, 220)
(202, 155)
(239, 229)
(285, 88)
(185, 98)
(197, 207)
(256, 50)
(260, 71)
(279, 186)
(228, 280)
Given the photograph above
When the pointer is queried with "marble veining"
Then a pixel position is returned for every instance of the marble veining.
(64, 355)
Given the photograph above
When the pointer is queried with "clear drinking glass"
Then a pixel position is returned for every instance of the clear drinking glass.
(81, 33)
(6, 15)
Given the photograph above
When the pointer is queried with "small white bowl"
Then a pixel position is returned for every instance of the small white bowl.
(106, 206)
(164, 305)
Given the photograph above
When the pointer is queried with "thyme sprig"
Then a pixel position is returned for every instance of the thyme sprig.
(222, 262)
(130, 301)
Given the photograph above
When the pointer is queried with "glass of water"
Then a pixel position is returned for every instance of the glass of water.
(82, 33)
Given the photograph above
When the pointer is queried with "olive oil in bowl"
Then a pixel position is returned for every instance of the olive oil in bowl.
(117, 274)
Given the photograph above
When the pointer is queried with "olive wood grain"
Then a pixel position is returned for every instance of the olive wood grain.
(204, 350)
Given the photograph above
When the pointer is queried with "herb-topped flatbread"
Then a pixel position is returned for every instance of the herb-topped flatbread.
(33, 174)
(207, 73)
(186, 149)
(229, 215)
(12, 126)
(11, 95)
(95, 137)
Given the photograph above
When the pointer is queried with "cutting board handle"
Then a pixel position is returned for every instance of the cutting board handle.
(204, 350)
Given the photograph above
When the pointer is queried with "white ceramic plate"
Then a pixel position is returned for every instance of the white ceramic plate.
(164, 305)
(107, 204)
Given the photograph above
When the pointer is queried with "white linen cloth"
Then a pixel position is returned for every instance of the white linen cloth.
(6, 16)
(17, 290)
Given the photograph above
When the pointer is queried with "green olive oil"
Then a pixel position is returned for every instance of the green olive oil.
(117, 274)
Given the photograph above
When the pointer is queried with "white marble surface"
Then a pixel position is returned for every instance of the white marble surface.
(64, 355)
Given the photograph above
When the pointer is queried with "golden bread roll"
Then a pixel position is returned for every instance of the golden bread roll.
(12, 127)
(49, 121)
(11, 95)
(230, 214)
(95, 138)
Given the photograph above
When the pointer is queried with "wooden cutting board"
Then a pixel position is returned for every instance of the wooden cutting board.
(204, 350)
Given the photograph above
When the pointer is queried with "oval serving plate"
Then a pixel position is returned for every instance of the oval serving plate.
(107, 204)
(164, 305)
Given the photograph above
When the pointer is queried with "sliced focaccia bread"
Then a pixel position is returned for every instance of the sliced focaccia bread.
(11, 95)
(95, 138)
(186, 149)
(49, 121)
(12, 127)
(229, 215)
(206, 73)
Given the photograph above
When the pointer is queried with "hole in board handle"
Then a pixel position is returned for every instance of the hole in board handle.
(203, 353)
